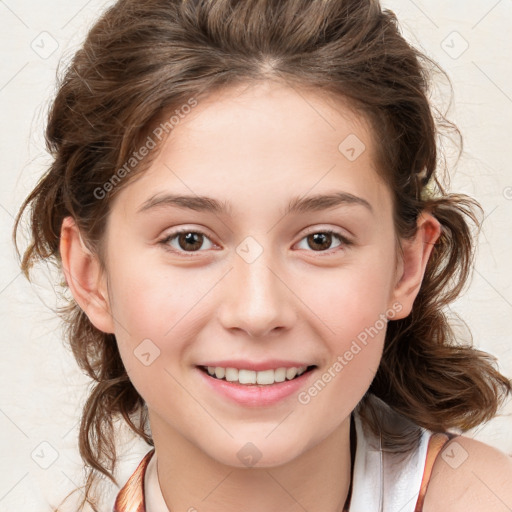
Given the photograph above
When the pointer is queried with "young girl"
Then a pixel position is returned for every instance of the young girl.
(245, 204)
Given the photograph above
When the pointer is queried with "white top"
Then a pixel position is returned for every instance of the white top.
(382, 482)
(154, 498)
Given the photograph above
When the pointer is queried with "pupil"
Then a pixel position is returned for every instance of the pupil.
(317, 239)
(188, 239)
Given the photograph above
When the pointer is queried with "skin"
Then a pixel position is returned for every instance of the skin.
(480, 483)
(256, 148)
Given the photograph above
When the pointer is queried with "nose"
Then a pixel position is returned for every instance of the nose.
(256, 298)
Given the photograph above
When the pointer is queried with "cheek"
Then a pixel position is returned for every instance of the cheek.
(352, 305)
(348, 300)
(158, 311)
(149, 313)
(353, 319)
(148, 300)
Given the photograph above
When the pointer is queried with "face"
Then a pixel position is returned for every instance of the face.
(272, 277)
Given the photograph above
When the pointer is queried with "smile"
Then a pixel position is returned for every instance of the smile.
(248, 377)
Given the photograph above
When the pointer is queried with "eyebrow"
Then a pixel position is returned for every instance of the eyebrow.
(303, 204)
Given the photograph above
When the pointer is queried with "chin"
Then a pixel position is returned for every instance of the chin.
(257, 454)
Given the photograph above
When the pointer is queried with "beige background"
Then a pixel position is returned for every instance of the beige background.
(42, 390)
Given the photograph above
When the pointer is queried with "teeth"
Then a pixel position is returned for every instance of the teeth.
(290, 373)
(265, 377)
(231, 374)
(246, 377)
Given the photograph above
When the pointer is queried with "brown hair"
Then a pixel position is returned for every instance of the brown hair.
(142, 59)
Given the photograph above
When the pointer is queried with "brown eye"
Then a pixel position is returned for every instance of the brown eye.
(321, 241)
(185, 241)
(190, 240)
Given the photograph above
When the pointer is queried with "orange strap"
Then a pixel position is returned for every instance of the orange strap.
(131, 497)
(436, 443)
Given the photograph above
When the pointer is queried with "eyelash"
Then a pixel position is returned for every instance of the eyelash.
(165, 242)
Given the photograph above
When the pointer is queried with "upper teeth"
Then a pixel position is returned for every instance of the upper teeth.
(253, 377)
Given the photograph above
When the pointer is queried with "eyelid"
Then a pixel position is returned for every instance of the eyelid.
(345, 240)
(165, 240)
(325, 229)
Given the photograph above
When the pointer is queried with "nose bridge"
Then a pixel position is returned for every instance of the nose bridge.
(256, 299)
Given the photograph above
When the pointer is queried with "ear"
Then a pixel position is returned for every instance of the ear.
(413, 262)
(84, 277)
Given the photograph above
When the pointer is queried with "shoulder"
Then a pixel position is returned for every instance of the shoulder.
(470, 476)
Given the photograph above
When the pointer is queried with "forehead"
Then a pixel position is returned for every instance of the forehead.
(267, 141)
(270, 115)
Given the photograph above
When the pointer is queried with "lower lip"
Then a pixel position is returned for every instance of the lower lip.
(255, 395)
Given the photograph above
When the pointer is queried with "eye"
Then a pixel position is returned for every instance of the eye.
(190, 241)
(321, 240)
(186, 240)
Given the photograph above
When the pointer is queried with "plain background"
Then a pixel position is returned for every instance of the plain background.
(42, 389)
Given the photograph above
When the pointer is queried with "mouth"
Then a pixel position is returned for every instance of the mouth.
(253, 378)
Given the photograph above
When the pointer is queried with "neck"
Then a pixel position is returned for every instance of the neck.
(190, 480)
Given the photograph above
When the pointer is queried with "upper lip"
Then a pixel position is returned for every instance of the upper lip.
(269, 364)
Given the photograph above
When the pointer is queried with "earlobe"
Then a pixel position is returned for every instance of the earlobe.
(84, 277)
(413, 263)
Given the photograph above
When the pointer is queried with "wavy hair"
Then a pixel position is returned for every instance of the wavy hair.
(143, 59)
